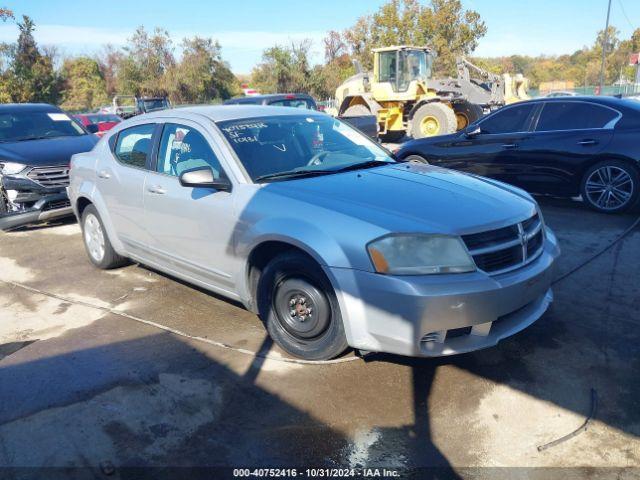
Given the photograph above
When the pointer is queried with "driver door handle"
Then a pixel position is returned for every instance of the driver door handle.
(510, 145)
(587, 142)
(104, 174)
(157, 189)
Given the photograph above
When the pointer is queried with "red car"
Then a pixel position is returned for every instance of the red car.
(104, 121)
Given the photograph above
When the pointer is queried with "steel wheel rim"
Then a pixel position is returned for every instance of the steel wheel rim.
(94, 237)
(302, 309)
(609, 187)
(430, 126)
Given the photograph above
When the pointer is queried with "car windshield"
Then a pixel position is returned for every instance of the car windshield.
(22, 126)
(298, 145)
(99, 118)
(154, 104)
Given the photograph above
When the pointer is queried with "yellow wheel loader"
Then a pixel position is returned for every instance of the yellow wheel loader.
(406, 100)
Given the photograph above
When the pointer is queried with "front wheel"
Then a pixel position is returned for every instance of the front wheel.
(97, 243)
(300, 308)
(611, 186)
(433, 119)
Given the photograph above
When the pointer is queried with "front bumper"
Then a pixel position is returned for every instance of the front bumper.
(436, 315)
(47, 207)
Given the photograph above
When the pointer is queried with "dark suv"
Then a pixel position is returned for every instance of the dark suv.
(36, 144)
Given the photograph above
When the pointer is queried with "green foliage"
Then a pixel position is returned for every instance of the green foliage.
(582, 67)
(84, 87)
(444, 25)
(201, 75)
(283, 69)
(30, 76)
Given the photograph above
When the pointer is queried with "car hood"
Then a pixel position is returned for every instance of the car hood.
(414, 197)
(47, 151)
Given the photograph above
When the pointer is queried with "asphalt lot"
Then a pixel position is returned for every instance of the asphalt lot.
(80, 386)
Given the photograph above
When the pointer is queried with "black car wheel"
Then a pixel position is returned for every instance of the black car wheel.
(300, 308)
(611, 186)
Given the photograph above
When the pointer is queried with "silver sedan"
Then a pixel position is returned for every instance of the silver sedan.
(317, 229)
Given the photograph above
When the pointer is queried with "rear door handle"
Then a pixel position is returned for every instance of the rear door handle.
(588, 142)
(104, 174)
(510, 145)
(157, 189)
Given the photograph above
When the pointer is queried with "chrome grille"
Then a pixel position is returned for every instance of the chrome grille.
(50, 177)
(508, 248)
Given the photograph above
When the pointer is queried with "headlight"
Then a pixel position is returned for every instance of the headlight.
(418, 254)
(10, 168)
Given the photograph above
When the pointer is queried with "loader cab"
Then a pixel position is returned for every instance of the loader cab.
(395, 68)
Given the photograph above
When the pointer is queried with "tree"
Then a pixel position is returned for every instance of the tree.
(145, 60)
(201, 74)
(84, 87)
(444, 25)
(30, 76)
(284, 69)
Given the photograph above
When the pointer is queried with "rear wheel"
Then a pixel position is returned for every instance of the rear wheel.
(96, 241)
(433, 119)
(611, 186)
(466, 113)
(300, 308)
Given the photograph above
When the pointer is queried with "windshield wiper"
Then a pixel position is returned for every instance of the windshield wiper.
(292, 174)
(26, 139)
(359, 166)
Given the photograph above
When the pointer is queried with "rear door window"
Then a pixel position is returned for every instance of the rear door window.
(574, 116)
(133, 146)
(508, 120)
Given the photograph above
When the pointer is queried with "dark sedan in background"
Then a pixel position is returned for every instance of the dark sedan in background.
(36, 144)
(566, 146)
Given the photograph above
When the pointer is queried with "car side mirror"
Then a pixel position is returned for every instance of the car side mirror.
(92, 128)
(203, 178)
(474, 132)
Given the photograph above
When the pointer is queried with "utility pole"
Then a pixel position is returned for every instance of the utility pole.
(605, 41)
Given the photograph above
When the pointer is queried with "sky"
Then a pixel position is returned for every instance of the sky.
(245, 28)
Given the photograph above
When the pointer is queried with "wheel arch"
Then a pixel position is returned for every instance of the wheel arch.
(264, 252)
(359, 99)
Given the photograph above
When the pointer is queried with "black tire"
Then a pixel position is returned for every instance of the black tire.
(3, 202)
(109, 258)
(466, 113)
(292, 277)
(414, 158)
(433, 119)
(356, 111)
(393, 136)
(611, 186)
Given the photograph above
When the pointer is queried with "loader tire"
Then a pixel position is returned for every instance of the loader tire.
(433, 119)
(356, 111)
(466, 113)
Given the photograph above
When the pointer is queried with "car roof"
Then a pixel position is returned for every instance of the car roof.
(220, 113)
(269, 96)
(602, 100)
(27, 107)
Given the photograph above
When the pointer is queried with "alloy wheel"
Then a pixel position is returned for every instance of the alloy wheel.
(609, 187)
(94, 237)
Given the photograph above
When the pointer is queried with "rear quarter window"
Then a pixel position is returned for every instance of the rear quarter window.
(574, 116)
(133, 145)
